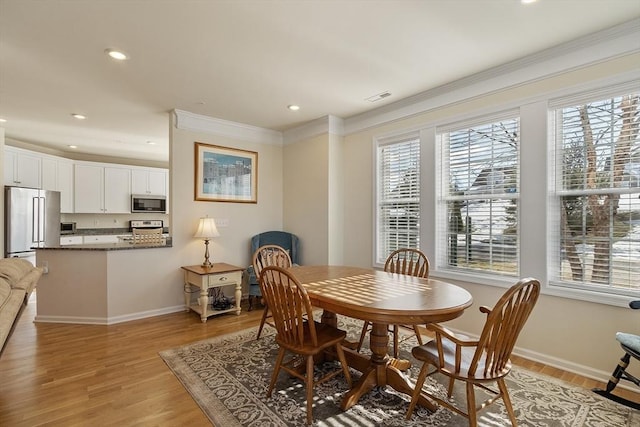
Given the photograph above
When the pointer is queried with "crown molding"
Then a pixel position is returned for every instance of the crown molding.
(327, 124)
(594, 48)
(186, 120)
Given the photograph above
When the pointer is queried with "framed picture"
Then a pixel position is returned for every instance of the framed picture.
(225, 174)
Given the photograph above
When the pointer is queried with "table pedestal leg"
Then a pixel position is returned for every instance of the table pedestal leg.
(238, 297)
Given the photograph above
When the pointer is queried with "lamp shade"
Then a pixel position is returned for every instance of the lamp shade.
(207, 229)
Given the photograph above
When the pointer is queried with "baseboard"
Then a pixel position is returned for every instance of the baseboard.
(108, 320)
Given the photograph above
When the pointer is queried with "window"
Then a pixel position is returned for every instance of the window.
(398, 195)
(596, 194)
(478, 197)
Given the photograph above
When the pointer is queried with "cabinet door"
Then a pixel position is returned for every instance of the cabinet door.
(28, 171)
(117, 190)
(88, 189)
(21, 169)
(65, 185)
(147, 181)
(100, 239)
(9, 167)
(49, 174)
(158, 183)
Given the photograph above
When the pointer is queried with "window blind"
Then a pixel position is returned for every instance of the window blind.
(398, 193)
(597, 194)
(479, 197)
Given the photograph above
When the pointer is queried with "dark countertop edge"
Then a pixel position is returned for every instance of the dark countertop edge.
(120, 246)
(103, 231)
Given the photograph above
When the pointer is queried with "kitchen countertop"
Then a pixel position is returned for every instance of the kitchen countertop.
(103, 231)
(122, 245)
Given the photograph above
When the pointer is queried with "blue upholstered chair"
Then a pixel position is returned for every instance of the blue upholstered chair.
(283, 239)
(630, 343)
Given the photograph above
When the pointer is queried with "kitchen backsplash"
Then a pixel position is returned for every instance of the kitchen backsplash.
(109, 221)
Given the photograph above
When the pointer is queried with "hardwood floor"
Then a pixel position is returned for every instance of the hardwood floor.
(77, 375)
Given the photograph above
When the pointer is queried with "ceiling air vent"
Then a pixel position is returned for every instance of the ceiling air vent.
(378, 97)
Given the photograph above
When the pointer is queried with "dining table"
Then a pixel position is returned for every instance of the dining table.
(383, 299)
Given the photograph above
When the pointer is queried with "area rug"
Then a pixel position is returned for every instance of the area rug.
(228, 377)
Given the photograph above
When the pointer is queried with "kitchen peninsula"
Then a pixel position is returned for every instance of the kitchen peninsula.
(101, 283)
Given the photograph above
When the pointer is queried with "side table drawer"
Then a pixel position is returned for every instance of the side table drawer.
(224, 279)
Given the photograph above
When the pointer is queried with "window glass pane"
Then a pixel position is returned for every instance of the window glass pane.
(598, 195)
(481, 197)
(398, 190)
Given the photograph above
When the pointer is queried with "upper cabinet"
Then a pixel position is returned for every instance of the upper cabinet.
(102, 188)
(57, 175)
(21, 168)
(149, 181)
(85, 187)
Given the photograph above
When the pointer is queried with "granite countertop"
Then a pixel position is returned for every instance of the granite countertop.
(123, 245)
(103, 231)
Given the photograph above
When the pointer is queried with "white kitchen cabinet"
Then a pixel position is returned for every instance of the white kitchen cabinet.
(102, 189)
(149, 181)
(70, 240)
(57, 175)
(21, 168)
(100, 239)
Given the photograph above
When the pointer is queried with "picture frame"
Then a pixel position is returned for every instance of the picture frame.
(224, 174)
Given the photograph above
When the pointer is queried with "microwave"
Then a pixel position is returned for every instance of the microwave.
(148, 203)
(67, 228)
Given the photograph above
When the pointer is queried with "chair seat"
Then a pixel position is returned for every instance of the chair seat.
(630, 343)
(327, 336)
(429, 353)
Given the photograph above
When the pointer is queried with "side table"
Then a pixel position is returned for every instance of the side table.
(218, 275)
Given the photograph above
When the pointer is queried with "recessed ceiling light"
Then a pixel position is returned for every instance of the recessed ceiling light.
(151, 143)
(73, 146)
(116, 54)
(527, 1)
(293, 107)
(79, 116)
(3, 120)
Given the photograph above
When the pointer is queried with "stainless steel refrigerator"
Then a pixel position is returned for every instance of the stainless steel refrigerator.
(32, 219)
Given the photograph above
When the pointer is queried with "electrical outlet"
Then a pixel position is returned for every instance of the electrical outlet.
(96, 222)
(45, 267)
(222, 222)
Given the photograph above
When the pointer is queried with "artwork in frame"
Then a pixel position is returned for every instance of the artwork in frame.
(225, 174)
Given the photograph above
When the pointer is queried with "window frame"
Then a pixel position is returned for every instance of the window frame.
(557, 286)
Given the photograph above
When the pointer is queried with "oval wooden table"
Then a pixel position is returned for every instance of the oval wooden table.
(383, 299)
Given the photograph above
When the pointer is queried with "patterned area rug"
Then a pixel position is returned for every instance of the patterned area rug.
(228, 377)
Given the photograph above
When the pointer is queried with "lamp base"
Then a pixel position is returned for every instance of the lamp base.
(206, 263)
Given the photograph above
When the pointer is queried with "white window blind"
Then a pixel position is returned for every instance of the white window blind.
(479, 197)
(597, 194)
(398, 196)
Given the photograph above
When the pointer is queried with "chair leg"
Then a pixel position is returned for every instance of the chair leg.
(450, 389)
(418, 336)
(618, 372)
(309, 381)
(276, 371)
(343, 362)
(363, 335)
(417, 389)
(471, 405)
(265, 313)
(250, 303)
(507, 401)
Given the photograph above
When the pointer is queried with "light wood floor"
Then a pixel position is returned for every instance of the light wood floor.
(78, 375)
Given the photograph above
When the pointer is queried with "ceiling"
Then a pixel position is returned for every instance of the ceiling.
(245, 61)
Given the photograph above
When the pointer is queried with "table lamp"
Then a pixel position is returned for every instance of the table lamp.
(206, 230)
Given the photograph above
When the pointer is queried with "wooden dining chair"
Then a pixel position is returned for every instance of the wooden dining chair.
(147, 236)
(411, 262)
(298, 333)
(265, 256)
(478, 362)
